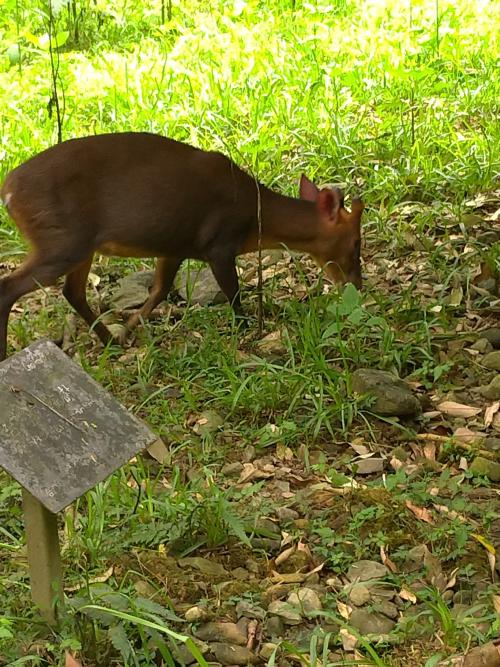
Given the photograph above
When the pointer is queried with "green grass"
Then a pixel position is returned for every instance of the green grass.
(394, 101)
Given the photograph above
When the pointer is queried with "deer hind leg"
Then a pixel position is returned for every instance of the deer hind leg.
(36, 271)
(166, 268)
(75, 292)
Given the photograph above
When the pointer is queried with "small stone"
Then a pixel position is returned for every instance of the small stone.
(359, 595)
(387, 608)
(144, 589)
(244, 608)
(253, 567)
(220, 631)
(285, 611)
(267, 527)
(249, 453)
(483, 466)
(118, 331)
(183, 655)
(265, 543)
(231, 654)
(196, 614)
(204, 565)
(365, 570)
(491, 390)
(393, 396)
(232, 469)
(491, 444)
(489, 285)
(240, 574)
(493, 336)
(275, 628)
(334, 582)
(482, 345)
(463, 597)
(132, 290)
(492, 360)
(266, 650)
(271, 345)
(197, 285)
(369, 466)
(305, 600)
(371, 623)
(286, 514)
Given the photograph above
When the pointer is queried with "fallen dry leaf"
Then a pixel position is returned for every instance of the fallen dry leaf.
(490, 413)
(251, 472)
(284, 555)
(70, 661)
(420, 512)
(453, 409)
(430, 450)
(349, 642)
(159, 451)
(406, 594)
(387, 561)
(344, 609)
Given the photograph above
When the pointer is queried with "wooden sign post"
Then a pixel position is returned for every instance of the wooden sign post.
(60, 434)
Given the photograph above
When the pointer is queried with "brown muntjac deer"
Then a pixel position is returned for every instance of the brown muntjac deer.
(143, 195)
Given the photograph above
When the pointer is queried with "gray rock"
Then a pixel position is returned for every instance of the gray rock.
(369, 466)
(490, 285)
(371, 623)
(463, 597)
(132, 290)
(196, 614)
(198, 285)
(483, 466)
(393, 396)
(491, 390)
(482, 345)
(271, 345)
(244, 608)
(492, 360)
(366, 570)
(359, 595)
(386, 608)
(249, 453)
(491, 444)
(275, 628)
(232, 469)
(240, 574)
(493, 336)
(305, 600)
(286, 514)
(231, 654)
(220, 631)
(253, 567)
(182, 654)
(285, 611)
(266, 650)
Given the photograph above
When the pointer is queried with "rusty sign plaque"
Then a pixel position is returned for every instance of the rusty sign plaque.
(60, 432)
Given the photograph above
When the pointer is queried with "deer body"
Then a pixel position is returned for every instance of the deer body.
(142, 195)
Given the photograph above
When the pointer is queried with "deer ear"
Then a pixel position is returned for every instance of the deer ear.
(307, 189)
(329, 203)
(357, 206)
